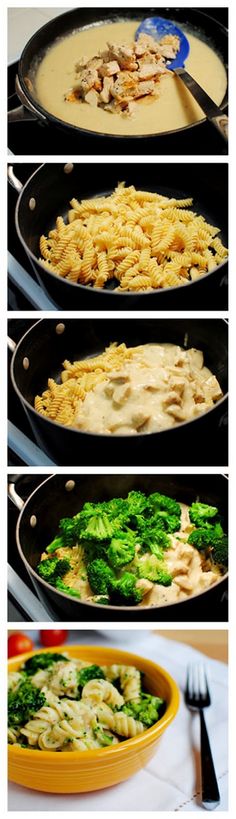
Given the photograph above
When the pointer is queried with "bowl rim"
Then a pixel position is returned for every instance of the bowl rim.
(134, 743)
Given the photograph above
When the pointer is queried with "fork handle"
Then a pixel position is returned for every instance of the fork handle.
(210, 790)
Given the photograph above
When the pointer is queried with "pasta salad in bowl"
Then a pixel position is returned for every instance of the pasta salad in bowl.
(83, 718)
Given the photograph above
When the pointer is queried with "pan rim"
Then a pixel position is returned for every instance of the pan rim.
(59, 122)
(100, 291)
(100, 436)
(87, 603)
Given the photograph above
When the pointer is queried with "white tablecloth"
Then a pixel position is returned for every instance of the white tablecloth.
(170, 781)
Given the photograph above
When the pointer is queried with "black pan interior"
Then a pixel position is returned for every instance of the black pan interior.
(53, 187)
(46, 349)
(52, 501)
(199, 23)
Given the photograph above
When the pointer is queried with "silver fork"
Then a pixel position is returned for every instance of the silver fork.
(197, 697)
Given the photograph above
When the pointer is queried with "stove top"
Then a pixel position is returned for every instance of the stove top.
(31, 138)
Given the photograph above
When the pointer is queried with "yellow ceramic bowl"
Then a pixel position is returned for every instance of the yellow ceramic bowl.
(83, 771)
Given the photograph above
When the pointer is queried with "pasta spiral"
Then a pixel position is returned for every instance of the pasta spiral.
(108, 236)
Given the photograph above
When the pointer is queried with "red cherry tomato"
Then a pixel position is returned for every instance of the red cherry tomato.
(53, 637)
(18, 644)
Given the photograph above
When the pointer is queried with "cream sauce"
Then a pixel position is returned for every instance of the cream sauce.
(174, 109)
(157, 388)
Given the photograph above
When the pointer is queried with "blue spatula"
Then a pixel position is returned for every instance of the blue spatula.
(158, 27)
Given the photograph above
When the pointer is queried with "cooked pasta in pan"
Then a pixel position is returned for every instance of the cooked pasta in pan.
(131, 390)
(61, 704)
(141, 550)
(139, 240)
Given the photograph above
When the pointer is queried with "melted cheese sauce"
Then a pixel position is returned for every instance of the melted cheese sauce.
(174, 109)
(160, 386)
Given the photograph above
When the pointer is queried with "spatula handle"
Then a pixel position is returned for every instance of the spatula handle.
(221, 122)
(210, 790)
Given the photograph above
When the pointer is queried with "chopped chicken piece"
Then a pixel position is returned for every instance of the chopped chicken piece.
(105, 94)
(92, 97)
(196, 358)
(147, 71)
(184, 582)
(145, 88)
(86, 80)
(108, 69)
(144, 585)
(172, 397)
(177, 412)
(139, 419)
(121, 394)
(213, 388)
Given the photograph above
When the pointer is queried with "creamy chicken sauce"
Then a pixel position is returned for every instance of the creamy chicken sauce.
(160, 386)
(191, 573)
(174, 109)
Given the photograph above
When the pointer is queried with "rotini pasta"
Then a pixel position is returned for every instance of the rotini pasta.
(120, 237)
(94, 715)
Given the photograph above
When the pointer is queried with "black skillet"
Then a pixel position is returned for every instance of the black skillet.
(64, 495)
(199, 22)
(44, 347)
(47, 194)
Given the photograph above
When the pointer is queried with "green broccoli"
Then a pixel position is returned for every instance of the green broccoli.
(121, 549)
(153, 537)
(68, 535)
(103, 738)
(211, 539)
(39, 661)
(146, 710)
(157, 501)
(53, 567)
(98, 527)
(200, 513)
(153, 569)
(123, 592)
(90, 672)
(23, 703)
(61, 586)
(100, 576)
(137, 502)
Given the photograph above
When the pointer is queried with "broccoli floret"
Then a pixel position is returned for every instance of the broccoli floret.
(100, 575)
(103, 738)
(94, 550)
(157, 501)
(153, 537)
(39, 661)
(117, 509)
(99, 598)
(23, 703)
(123, 592)
(98, 527)
(220, 551)
(53, 567)
(200, 513)
(171, 523)
(67, 536)
(121, 549)
(137, 502)
(212, 539)
(90, 672)
(61, 586)
(153, 569)
(147, 710)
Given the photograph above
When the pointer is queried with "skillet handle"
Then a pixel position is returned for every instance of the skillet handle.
(11, 344)
(25, 111)
(20, 114)
(13, 494)
(13, 179)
